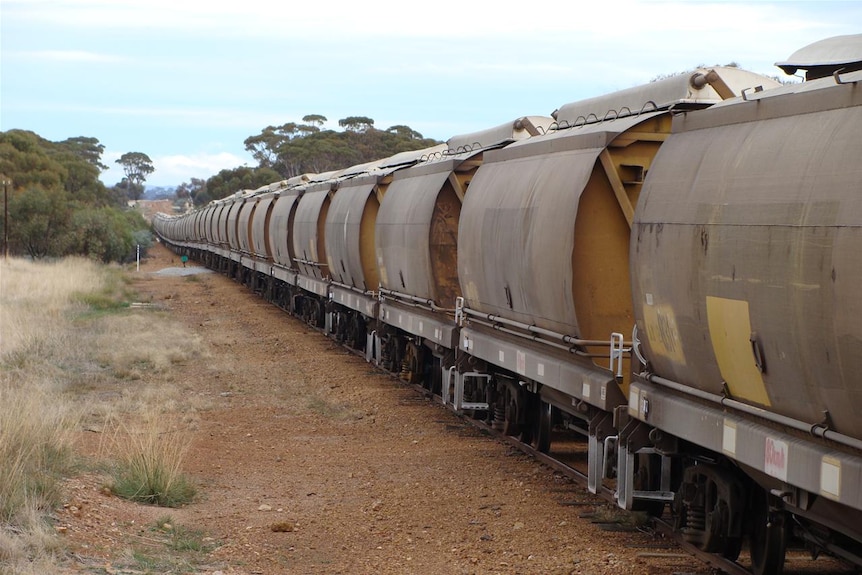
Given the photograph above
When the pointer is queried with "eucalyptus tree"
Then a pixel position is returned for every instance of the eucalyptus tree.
(137, 166)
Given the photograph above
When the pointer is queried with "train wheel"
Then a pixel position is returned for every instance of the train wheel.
(318, 317)
(541, 433)
(733, 548)
(411, 363)
(768, 538)
(525, 434)
(511, 411)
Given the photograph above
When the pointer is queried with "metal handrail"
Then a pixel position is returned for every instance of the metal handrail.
(532, 328)
(310, 263)
(423, 301)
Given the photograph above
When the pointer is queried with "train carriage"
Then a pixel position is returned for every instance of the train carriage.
(745, 296)
(716, 211)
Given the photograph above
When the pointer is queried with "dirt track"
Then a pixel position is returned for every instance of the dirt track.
(310, 461)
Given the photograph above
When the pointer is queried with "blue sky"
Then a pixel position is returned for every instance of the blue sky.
(186, 82)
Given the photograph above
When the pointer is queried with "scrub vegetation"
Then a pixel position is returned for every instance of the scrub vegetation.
(57, 206)
(78, 358)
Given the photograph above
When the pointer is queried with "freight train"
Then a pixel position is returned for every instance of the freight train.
(672, 271)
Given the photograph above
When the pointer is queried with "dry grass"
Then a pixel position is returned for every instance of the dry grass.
(34, 299)
(148, 457)
(74, 355)
(35, 451)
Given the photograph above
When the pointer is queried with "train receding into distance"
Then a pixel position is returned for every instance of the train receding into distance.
(672, 271)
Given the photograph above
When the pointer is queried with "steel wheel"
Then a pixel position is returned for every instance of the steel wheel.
(541, 436)
(768, 538)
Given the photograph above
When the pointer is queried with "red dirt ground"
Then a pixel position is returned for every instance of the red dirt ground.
(308, 460)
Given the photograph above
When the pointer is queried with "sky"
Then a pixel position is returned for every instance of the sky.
(186, 82)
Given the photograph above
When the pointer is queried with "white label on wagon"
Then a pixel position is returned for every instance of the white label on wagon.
(830, 477)
(775, 458)
(728, 440)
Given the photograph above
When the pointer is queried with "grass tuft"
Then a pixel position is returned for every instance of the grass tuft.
(180, 538)
(113, 293)
(149, 463)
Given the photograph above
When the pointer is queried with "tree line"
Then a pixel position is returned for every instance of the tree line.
(56, 204)
(296, 148)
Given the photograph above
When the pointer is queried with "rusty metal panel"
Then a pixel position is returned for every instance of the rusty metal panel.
(308, 231)
(403, 229)
(243, 223)
(260, 245)
(752, 281)
(350, 235)
(280, 229)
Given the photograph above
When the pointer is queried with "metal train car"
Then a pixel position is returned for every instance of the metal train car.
(717, 212)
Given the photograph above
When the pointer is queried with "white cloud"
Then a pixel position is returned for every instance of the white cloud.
(201, 165)
(171, 170)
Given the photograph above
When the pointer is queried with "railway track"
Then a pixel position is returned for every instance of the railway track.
(673, 545)
(799, 562)
(668, 548)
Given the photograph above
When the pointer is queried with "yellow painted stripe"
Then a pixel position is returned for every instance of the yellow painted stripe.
(730, 331)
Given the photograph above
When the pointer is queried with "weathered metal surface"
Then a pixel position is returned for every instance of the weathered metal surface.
(696, 88)
(243, 223)
(516, 235)
(364, 304)
(260, 223)
(543, 238)
(207, 224)
(231, 221)
(219, 223)
(313, 285)
(436, 327)
(556, 369)
(835, 52)
(198, 226)
(280, 229)
(404, 159)
(403, 234)
(785, 457)
(745, 254)
(519, 129)
(349, 234)
(308, 231)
